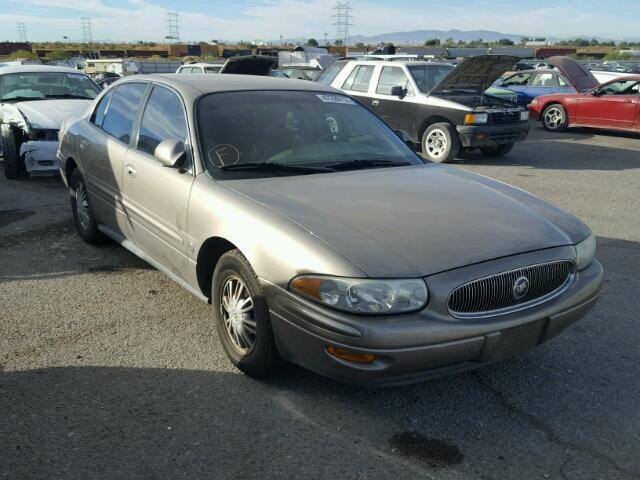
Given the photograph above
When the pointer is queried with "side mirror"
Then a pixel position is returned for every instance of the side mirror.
(398, 92)
(596, 93)
(170, 152)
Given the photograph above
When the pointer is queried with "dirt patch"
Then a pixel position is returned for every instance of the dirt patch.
(10, 216)
(433, 452)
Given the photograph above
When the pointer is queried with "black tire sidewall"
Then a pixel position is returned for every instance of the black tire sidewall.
(453, 142)
(91, 234)
(263, 358)
(10, 153)
(559, 128)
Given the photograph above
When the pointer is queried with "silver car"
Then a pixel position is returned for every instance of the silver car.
(317, 235)
(34, 100)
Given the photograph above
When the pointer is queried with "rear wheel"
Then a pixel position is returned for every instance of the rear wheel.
(242, 318)
(11, 151)
(497, 150)
(440, 143)
(554, 118)
(85, 222)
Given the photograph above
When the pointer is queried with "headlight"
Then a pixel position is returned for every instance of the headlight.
(585, 251)
(475, 118)
(524, 116)
(373, 297)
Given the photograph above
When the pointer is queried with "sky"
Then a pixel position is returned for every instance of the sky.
(232, 20)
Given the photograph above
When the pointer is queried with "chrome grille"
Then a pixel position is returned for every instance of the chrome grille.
(495, 295)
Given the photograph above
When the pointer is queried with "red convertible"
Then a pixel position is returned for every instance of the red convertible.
(614, 105)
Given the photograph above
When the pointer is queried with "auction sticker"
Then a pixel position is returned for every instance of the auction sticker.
(336, 99)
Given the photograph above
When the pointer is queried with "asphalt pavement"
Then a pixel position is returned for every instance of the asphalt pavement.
(109, 370)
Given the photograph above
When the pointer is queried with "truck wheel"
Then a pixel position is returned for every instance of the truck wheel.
(83, 218)
(11, 152)
(497, 151)
(554, 118)
(440, 143)
(242, 318)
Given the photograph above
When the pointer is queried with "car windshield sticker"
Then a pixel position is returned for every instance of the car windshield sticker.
(336, 99)
(223, 154)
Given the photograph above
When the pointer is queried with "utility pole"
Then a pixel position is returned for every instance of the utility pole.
(22, 32)
(343, 20)
(86, 29)
(173, 27)
(281, 39)
(325, 38)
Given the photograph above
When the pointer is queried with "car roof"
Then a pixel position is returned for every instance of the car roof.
(38, 69)
(193, 86)
(202, 64)
(401, 62)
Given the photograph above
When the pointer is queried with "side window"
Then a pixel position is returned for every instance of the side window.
(329, 74)
(163, 118)
(545, 80)
(125, 101)
(519, 80)
(359, 78)
(98, 114)
(392, 77)
(562, 82)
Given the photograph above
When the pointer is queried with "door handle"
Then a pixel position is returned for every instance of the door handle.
(131, 171)
(375, 103)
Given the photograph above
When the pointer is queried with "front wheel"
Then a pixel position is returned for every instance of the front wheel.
(440, 143)
(554, 118)
(497, 150)
(242, 317)
(83, 217)
(11, 152)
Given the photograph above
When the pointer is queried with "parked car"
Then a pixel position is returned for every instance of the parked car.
(319, 236)
(200, 68)
(34, 100)
(614, 105)
(301, 72)
(530, 84)
(439, 107)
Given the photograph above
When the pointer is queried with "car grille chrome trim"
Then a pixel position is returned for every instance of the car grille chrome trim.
(494, 295)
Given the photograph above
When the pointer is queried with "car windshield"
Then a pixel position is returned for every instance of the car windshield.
(293, 128)
(41, 85)
(331, 72)
(428, 76)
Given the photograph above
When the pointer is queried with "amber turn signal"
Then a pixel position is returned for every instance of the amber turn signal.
(308, 286)
(351, 356)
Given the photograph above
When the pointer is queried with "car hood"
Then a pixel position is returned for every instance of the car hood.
(580, 78)
(476, 73)
(415, 221)
(250, 65)
(50, 114)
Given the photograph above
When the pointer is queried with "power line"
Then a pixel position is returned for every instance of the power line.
(86, 29)
(22, 32)
(343, 20)
(173, 26)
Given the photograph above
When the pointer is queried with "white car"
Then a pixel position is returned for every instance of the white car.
(34, 101)
(200, 68)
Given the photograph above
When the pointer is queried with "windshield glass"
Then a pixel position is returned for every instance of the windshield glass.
(428, 76)
(331, 72)
(39, 85)
(292, 128)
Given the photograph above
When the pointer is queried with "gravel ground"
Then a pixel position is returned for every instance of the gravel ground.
(109, 370)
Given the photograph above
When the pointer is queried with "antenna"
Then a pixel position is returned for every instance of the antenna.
(343, 20)
(173, 27)
(86, 29)
(22, 32)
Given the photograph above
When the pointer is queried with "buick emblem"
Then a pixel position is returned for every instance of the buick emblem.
(520, 287)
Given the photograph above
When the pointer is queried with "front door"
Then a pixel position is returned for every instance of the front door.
(613, 105)
(157, 197)
(395, 111)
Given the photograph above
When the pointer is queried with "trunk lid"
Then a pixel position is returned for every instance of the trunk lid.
(580, 78)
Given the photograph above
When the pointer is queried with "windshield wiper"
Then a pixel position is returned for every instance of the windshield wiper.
(275, 166)
(365, 163)
(69, 95)
(20, 99)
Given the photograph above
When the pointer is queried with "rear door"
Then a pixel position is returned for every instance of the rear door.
(615, 105)
(103, 152)
(357, 84)
(156, 197)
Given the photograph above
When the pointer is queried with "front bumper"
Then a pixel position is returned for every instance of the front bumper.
(534, 112)
(475, 136)
(40, 156)
(430, 343)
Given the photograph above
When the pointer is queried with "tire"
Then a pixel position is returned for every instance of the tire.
(11, 151)
(247, 337)
(554, 118)
(440, 143)
(498, 150)
(83, 217)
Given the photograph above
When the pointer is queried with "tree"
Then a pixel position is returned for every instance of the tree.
(312, 42)
(360, 45)
(338, 43)
(432, 42)
(505, 41)
(57, 54)
(449, 41)
(22, 54)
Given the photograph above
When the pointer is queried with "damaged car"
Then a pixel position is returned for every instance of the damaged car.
(34, 100)
(442, 108)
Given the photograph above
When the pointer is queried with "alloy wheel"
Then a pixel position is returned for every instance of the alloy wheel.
(554, 118)
(236, 308)
(82, 206)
